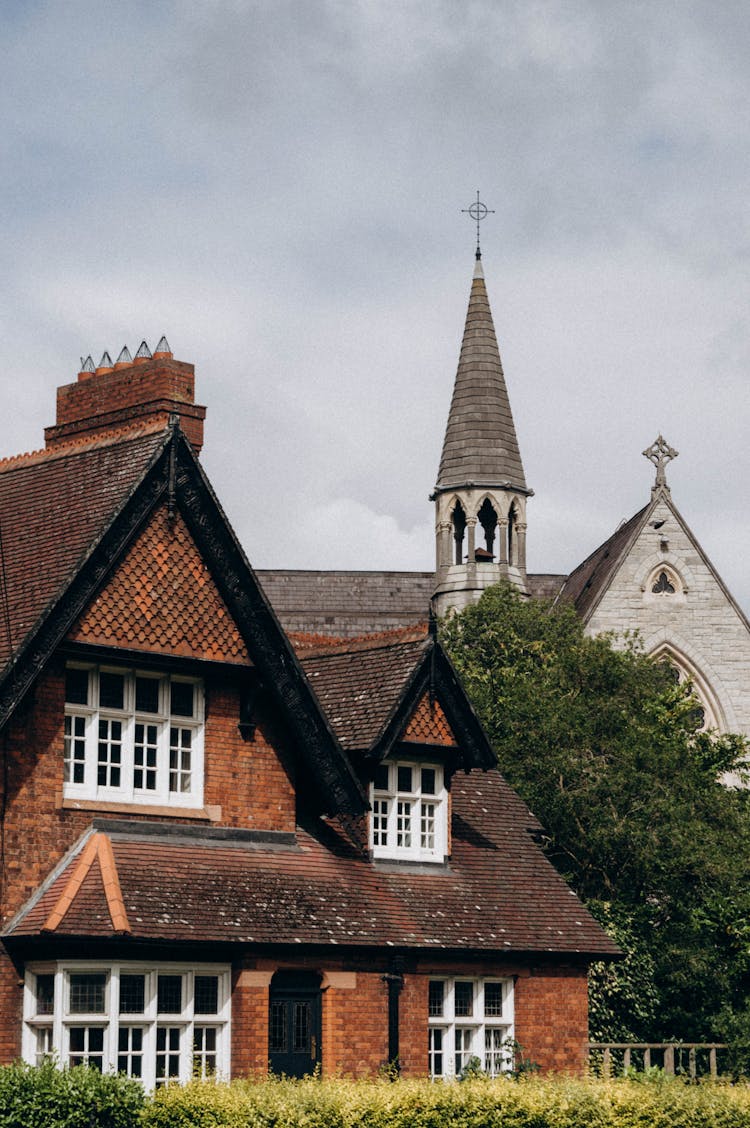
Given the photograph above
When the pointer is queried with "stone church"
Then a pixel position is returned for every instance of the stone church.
(651, 576)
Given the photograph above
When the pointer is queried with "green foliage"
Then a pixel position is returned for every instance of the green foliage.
(47, 1097)
(602, 745)
(479, 1102)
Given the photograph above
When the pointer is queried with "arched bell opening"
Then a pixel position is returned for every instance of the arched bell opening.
(513, 535)
(458, 520)
(487, 517)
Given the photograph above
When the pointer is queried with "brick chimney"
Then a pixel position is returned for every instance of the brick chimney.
(115, 398)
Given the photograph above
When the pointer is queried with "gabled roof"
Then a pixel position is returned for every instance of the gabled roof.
(370, 687)
(68, 518)
(480, 445)
(499, 894)
(54, 505)
(589, 582)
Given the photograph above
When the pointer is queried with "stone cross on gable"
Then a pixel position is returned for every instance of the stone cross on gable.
(660, 453)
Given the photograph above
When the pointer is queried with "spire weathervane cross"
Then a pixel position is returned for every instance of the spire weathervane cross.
(478, 211)
(660, 453)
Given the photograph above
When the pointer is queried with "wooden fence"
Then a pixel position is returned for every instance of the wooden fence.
(693, 1059)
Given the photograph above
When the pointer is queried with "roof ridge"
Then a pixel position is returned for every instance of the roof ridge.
(77, 446)
(321, 646)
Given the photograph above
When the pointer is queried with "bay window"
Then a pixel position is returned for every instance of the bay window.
(160, 1025)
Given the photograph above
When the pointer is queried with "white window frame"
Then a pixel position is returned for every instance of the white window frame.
(82, 748)
(399, 818)
(455, 1038)
(62, 1021)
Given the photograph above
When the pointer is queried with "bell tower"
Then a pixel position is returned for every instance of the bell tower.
(480, 496)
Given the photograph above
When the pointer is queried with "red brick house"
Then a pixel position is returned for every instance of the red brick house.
(223, 847)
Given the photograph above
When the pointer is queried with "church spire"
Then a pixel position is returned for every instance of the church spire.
(480, 439)
(480, 496)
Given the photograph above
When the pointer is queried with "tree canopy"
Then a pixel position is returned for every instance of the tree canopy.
(602, 744)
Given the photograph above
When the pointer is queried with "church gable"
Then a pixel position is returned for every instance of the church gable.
(666, 590)
(162, 598)
(428, 724)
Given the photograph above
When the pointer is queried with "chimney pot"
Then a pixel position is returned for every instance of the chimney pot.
(163, 350)
(87, 368)
(143, 354)
(105, 364)
(124, 360)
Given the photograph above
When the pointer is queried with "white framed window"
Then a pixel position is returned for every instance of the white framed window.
(161, 1024)
(133, 736)
(409, 811)
(469, 1018)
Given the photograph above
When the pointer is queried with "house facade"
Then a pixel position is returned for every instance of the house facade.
(226, 846)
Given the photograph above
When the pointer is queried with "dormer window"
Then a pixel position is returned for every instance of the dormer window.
(409, 811)
(133, 736)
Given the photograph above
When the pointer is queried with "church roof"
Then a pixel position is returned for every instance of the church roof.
(586, 583)
(480, 444)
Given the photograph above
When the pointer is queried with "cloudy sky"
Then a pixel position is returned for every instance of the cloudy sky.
(277, 185)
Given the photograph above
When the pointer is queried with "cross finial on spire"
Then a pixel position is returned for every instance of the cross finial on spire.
(660, 453)
(478, 211)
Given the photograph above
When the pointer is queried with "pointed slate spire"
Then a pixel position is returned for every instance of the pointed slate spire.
(480, 444)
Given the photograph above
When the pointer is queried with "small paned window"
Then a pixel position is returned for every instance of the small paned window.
(133, 737)
(409, 811)
(470, 1019)
(160, 1025)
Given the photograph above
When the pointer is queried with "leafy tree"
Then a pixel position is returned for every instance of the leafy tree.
(602, 744)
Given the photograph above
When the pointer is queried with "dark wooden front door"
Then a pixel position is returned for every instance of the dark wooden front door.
(294, 1023)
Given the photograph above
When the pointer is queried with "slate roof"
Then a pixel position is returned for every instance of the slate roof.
(53, 506)
(480, 443)
(359, 682)
(347, 604)
(589, 580)
(498, 894)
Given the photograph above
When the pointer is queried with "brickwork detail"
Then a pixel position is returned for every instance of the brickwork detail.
(551, 1018)
(249, 1028)
(11, 1007)
(429, 725)
(413, 1026)
(355, 1027)
(162, 598)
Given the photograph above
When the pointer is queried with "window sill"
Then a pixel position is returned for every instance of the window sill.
(209, 813)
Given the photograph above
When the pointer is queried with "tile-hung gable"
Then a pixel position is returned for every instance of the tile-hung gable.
(226, 849)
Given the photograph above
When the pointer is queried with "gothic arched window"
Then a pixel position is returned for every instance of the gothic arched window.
(663, 585)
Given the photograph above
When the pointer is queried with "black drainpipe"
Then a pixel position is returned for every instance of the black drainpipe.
(395, 982)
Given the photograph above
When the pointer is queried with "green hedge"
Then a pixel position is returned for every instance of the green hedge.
(46, 1097)
(81, 1098)
(530, 1103)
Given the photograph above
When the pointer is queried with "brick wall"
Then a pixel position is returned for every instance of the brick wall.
(11, 1008)
(551, 1017)
(355, 1025)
